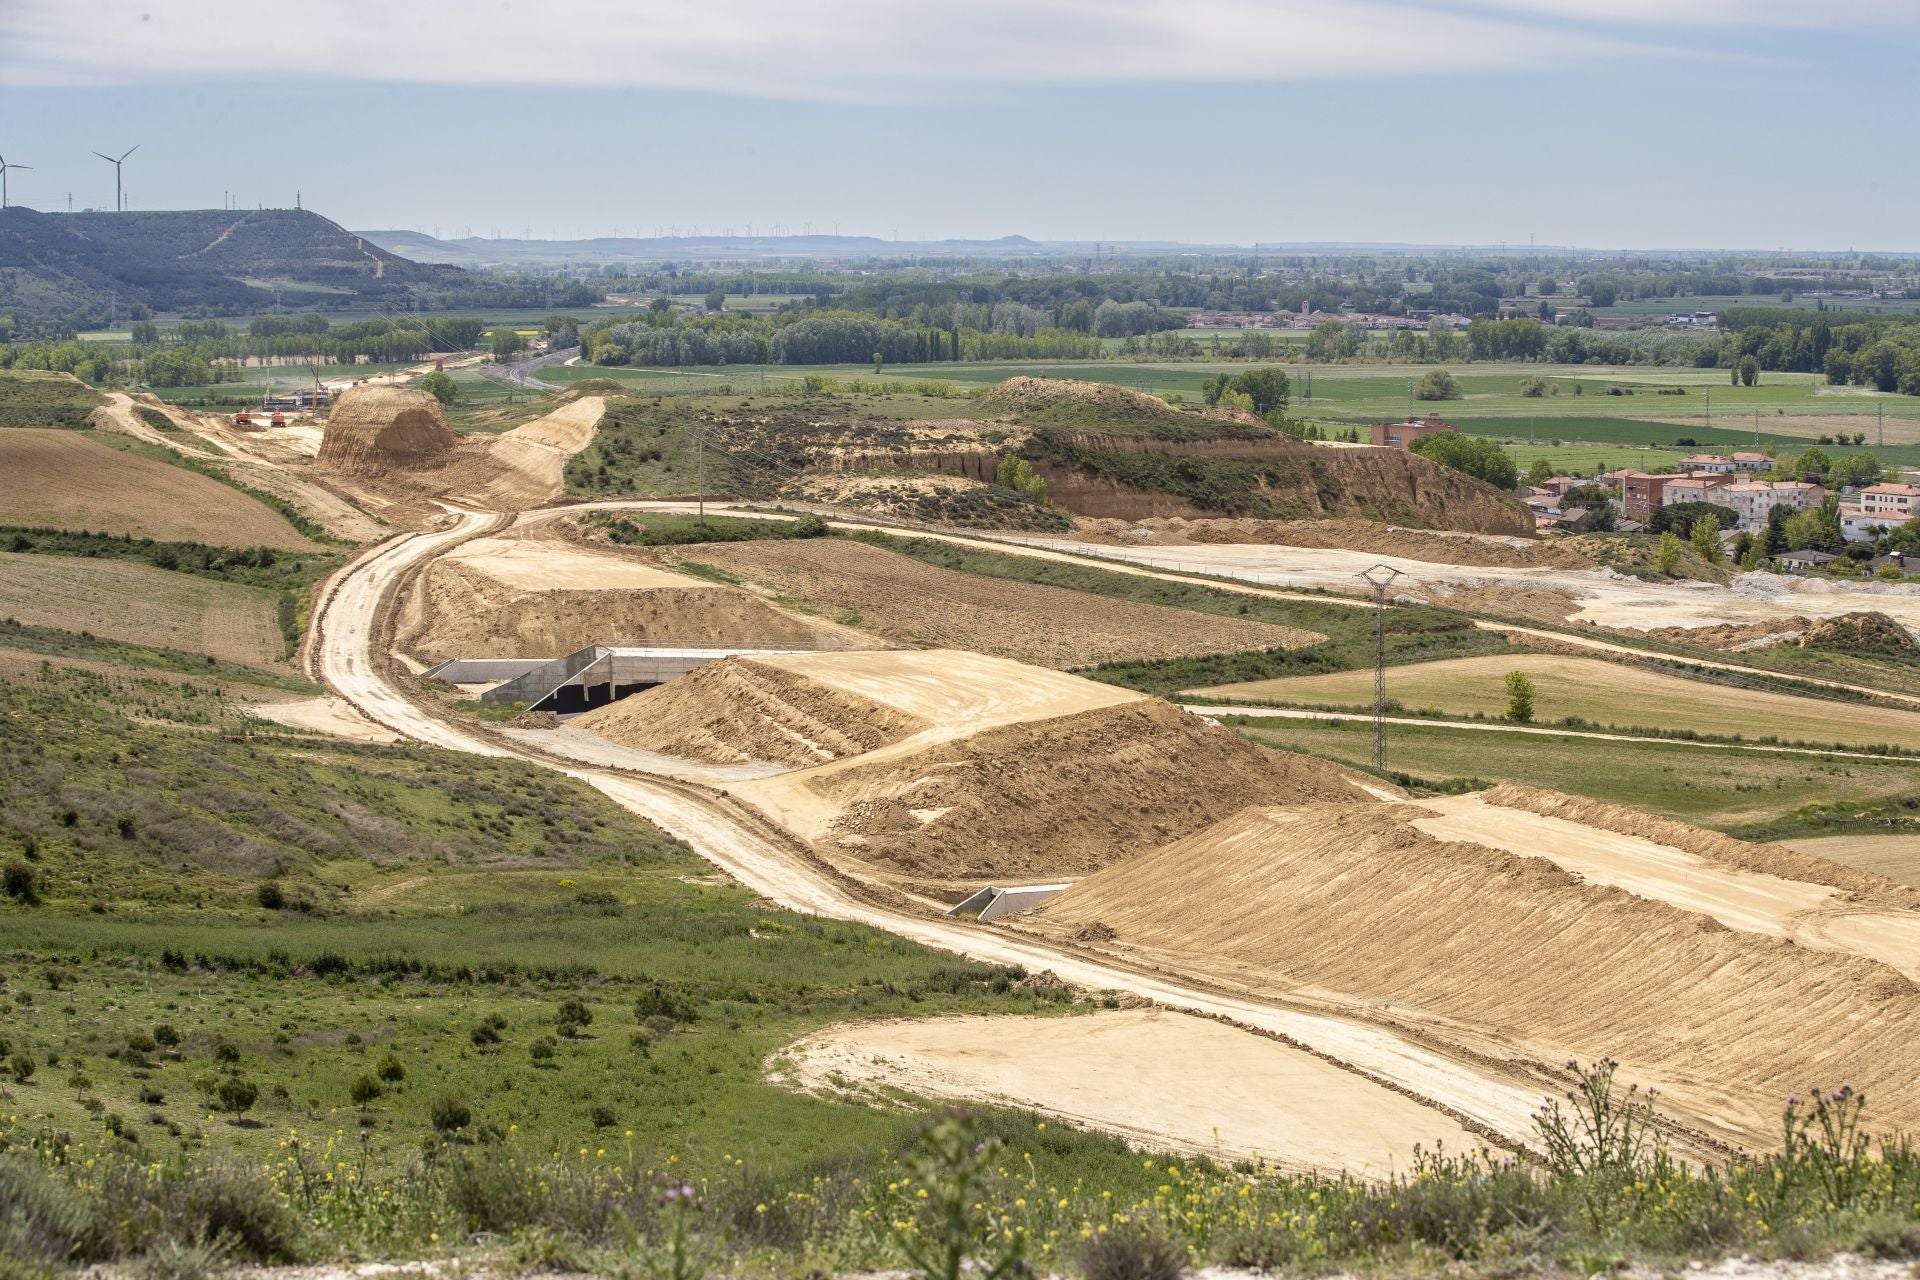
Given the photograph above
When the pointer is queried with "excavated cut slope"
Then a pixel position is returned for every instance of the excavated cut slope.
(372, 430)
(469, 613)
(1355, 900)
(738, 710)
(1061, 795)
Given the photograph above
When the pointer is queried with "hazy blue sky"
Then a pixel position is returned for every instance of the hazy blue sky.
(1749, 123)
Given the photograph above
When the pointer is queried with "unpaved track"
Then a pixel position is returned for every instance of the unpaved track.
(1112, 1071)
(1499, 1099)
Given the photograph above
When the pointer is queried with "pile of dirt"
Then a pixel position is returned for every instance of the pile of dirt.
(1069, 402)
(1768, 859)
(738, 710)
(1864, 632)
(1510, 955)
(373, 430)
(910, 602)
(1735, 637)
(1062, 795)
(1436, 546)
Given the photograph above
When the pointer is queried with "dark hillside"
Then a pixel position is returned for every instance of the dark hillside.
(77, 263)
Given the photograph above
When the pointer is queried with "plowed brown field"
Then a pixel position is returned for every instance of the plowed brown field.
(67, 480)
(913, 603)
(141, 605)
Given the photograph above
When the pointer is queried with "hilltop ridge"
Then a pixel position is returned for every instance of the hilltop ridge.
(172, 260)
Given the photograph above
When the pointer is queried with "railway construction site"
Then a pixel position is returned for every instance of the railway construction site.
(1257, 948)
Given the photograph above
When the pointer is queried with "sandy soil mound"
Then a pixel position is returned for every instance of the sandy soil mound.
(1771, 859)
(1350, 535)
(739, 710)
(1513, 954)
(375, 429)
(1864, 632)
(914, 603)
(1061, 795)
(1735, 637)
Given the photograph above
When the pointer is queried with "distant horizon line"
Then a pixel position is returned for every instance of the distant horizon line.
(1491, 248)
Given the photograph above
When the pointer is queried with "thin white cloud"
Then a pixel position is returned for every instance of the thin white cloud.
(799, 49)
(1804, 14)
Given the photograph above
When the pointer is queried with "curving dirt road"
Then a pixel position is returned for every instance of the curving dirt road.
(1496, 1099)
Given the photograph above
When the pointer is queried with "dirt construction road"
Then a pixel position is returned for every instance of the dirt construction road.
(1383, 1067)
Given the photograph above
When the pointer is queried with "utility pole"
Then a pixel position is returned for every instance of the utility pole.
(1882, 411)
(1709, 408)
(1380, 577)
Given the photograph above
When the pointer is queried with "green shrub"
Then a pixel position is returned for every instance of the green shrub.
(236, 1094)
(1131, 1253)
(22, 882)
(449, 1114)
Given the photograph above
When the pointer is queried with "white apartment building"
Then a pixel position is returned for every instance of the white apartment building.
(1755, 500)
(1896, 503)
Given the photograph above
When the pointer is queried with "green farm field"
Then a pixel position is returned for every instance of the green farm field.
(1756, 794)
(1604, 694)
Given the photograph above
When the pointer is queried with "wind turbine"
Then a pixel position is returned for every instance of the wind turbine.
(4, 167)
(118, 202)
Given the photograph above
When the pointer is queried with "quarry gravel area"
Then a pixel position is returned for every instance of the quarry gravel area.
(68, 480)
(1160, 1080)
(913, 603)
(1598, 596)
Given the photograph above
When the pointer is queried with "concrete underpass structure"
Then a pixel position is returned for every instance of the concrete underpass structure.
(589, 677)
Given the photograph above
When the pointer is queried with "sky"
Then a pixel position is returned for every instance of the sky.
(1756, 124)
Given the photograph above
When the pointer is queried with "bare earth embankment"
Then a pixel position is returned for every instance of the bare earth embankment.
(1570, 949)
(393, 445)
(528, 596)
(1017, 771)
(913, 603)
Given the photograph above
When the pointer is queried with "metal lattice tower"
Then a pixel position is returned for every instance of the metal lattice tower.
(1380, 577)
